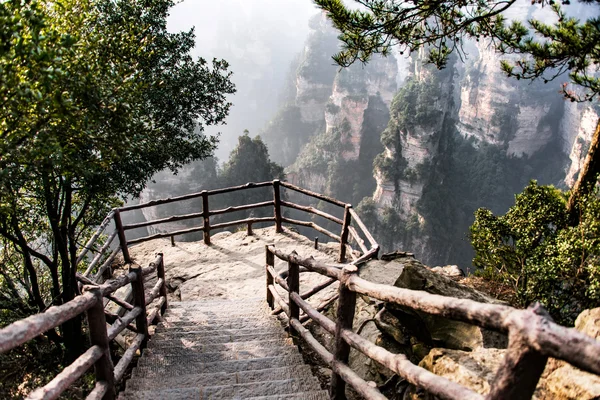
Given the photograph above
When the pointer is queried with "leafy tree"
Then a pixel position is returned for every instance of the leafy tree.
(547, 50)
(250, 162)
(97, 97)
(533, 249)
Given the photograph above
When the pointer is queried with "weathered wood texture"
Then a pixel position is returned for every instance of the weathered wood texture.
(278, 202)
(270, 263)
(100, 254)
(363, 228)
(340, 369)
(89, 245)
(313, 194)
(68, 375)
(345, 315)
(122, 237)
(160, 272)
(194, 195)
(312, 210)
(103, 367)
(26, 329)
(344, 234)
(139, 300)
(293, 282)
(125, 360)
(92, 302)
(533, 337)
(100, 389)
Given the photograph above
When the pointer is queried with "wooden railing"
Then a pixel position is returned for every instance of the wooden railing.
(92, 303)
(533, 336)
(349, 234)
(98, 289)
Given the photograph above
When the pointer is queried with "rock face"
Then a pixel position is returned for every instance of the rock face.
(310, 84)
(454, 131)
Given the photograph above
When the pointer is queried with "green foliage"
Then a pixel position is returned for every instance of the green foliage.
(287, 133)
(533, 249)
(97, 97)
(249, 162)
(315, 66)
(442, 26)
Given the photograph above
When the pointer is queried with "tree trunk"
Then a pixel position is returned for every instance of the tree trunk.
(588, 176)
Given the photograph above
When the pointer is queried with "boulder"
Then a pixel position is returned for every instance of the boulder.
(442, 332)
(472, 369)
(452, 271)
(568, 382)
(477, 369)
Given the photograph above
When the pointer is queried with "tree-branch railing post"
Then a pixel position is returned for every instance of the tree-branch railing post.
(122, 238)
(270, 262)
(522, 366)
(104, 367)
(139, 300)
(206, 218)
(345, 231)
(293, 281)
(277, 205)
(345, 317)
(160, 272)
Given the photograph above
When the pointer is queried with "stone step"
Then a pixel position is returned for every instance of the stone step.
(242, 335)
(194, 394)
(182, 321)
(158, 371)
(157, 357)
(225, 307)
(313, 395)
(165, 394)
(238, 391)
(222, 378)
(255, 389)
(188, 326)
(217, 318)
(216, 303)
(199, 347)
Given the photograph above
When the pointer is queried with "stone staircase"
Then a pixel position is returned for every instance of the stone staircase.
(221, 349)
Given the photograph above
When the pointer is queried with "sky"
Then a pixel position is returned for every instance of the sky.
(259, 38)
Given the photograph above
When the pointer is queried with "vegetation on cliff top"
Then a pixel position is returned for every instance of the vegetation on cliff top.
(97, 97)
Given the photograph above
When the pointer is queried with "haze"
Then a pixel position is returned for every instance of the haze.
(259, 39)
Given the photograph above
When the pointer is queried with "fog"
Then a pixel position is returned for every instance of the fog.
(259, 38)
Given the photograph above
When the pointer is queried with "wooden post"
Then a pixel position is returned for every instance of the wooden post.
(270, 263)
(172, 241)
(205, 215)
(160, 272)
(277, 205)
(139, 300)
(522, 366)
(293, 281)
(345, 230)
(249, 232)
(316, 243)
(104, 367)
(122, 238)
(345, 317)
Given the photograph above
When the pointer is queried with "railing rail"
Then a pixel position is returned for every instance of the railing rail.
(533, 336)
(348, 233)
(91, 302)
